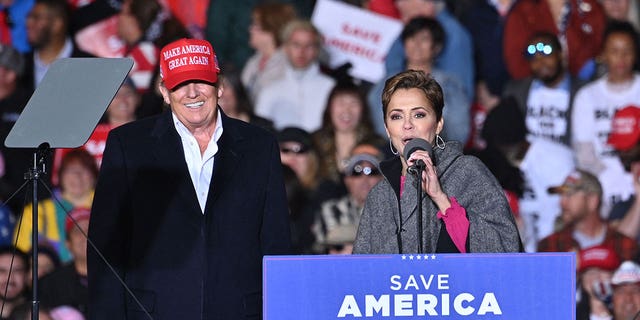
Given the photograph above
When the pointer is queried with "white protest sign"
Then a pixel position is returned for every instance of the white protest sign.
(355, 35)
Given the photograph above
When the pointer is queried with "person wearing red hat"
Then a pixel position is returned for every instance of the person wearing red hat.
(595, 269)
(585, 231)
(625, 138)
(187, 204)
(594, 107)
(580, 23)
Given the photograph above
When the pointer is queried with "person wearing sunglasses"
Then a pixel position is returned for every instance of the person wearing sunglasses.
(338, 219)
(297, 152)
(579, 23)
(545, 97)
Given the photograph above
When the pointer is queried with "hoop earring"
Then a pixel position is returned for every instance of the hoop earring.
(440, 142)
(395, 153)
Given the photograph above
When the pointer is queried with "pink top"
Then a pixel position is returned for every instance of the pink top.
(457, 224)
(455, 221)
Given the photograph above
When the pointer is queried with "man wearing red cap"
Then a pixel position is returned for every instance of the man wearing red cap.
(595, 268)
(187, 204)
(624, 138)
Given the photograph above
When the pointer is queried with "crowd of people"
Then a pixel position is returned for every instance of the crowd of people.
(546, 93)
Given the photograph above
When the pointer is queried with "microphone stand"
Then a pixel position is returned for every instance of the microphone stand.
(33, 175)
(419, 170)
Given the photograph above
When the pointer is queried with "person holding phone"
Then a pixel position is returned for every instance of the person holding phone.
(463, 209)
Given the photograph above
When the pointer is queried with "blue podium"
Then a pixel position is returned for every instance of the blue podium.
(453, 286)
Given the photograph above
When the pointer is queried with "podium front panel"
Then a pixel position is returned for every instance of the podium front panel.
(454, 286)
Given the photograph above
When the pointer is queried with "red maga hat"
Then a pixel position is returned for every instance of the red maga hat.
(625, 128)
(188, 59)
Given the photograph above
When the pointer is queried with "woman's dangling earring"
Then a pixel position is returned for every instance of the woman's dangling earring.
(440, 142)
(395, 153)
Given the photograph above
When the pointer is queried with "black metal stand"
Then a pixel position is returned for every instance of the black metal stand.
(419, 188)
(33, 175)
(79, 104)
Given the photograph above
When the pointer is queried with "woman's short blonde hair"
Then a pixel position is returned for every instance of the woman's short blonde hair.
(414, 79)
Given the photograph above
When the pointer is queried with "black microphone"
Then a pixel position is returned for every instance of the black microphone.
(412, 146)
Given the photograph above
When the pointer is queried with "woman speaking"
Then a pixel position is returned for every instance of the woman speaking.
(463, 208)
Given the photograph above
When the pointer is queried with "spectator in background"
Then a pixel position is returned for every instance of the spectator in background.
(484, 20)
(626, 291)
(48, 261)
(16, 286)
(78, 173)
(622, 10)
(93, 25)
(299, 98)
(338, 219)
(145, 26)
(582, 225)
(594, 107)
(67, 285)
(423, 39)
(625, 138)
(121, 110)
(483, 103)
(135, 30)
(227, 22)
(298, 152)
(345, 123)
(595, 267)
(456, 57)
(543, 164)
(48, 35)
(23, 312)
(235, 101)
(578, 23)
(545, 97)
(267, 64)
(13, 99)
(301, 213)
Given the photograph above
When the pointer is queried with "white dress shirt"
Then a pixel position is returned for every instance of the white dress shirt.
(200, 166)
